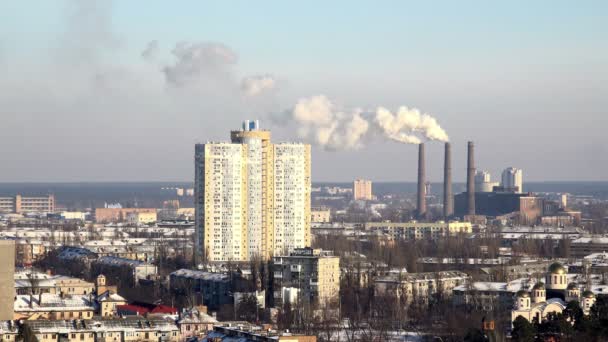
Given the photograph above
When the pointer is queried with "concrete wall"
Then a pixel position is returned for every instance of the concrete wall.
(7, 279)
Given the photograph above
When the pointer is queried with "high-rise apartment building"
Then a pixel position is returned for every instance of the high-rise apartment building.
(362, 190)
(24, 204)
(512, 180)
(252, 197)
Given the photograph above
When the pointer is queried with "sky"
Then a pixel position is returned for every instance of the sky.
(122, 90)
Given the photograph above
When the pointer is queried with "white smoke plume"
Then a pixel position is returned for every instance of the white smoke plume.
(258, 84)
(196, 60)
(151, 51)
(319, 120)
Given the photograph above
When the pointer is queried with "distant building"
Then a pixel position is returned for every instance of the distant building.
(19, 204)
(73, 215)
(501, 203)
(312, 275)
(512, 180)
(584, 246)
(205, 288)
(141, 217)
(128, 271)
(249, 333)
(320, 215)
(252, 197)
(551, 296)
(362, 190)
(420, 287)
(7, 282)
(54, 306)
(113, 215)
(419, 230)
(483, 181)
(92, 330)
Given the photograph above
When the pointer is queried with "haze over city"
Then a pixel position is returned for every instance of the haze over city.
(121, 91)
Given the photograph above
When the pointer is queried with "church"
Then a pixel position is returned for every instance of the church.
(551, 296)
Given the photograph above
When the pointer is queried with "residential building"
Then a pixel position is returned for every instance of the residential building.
(113, 215)
(93, 330)
(419, 230)
(248, 332)
(19, 204)
(141, 217)
(252, 197)
(420, 287)
(9, 331)
(31, 282)
(362, 190)
(7, 282)
(312, 274)
(584, 246)
(320, 215)
(54, 306)
(127, 271)
(512, 180)
(195, 323)
(205, 288)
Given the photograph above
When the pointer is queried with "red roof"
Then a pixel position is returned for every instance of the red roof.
(133, 309)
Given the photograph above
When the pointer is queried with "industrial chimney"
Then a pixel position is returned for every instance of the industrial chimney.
(448, 198)
(421, 203)
(471, 179)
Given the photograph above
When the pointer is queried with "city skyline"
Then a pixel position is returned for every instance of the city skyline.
(95, 95)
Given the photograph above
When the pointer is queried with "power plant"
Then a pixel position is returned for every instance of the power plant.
(448, 196)
(421, 196)
(471, 179)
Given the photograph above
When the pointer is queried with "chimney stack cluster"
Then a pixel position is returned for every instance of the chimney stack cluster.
(448, 197)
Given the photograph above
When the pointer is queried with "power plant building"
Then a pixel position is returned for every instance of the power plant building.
(252, 197)
(512, 180)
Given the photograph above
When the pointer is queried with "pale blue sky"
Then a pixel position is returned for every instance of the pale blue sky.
(527, 80)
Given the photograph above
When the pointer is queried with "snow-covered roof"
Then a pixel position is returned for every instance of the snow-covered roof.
(53, 302)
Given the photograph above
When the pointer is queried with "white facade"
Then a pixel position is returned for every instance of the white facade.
(252, 197)
(255, 169)
(512, 178)
(220, 202)
(483, 181)
(291, 194)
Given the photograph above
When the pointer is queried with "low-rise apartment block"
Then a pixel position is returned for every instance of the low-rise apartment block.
(310, 274)
(419, 230)
(128, 329)
(420, 287)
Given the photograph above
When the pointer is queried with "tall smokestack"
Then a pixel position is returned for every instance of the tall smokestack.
(471, 179)
(448, 198)
(421, 205)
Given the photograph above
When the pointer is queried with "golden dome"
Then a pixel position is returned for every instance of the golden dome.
(523, 294)
(557, 268)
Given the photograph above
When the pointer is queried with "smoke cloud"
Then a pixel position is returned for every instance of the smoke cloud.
(255, 85)
(151, 51)
(321, 121)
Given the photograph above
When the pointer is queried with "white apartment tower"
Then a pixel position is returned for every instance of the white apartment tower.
(252, 197)
(512, 179)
